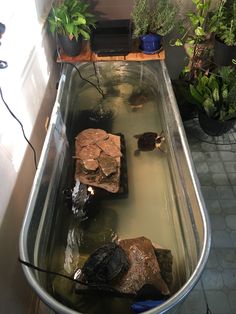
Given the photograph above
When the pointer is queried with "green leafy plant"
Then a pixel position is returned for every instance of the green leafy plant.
(194, 32)
(214, 93)
(223, 22)
(71, 17)
(157, 17)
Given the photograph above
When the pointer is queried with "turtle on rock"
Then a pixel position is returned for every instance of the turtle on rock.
(149, 141)
(105, 265)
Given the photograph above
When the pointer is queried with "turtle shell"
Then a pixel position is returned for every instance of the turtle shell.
(147, 141)
(106, 264)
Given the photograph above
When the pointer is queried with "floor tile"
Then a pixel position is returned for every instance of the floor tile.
(216, 166)
(218, 222)
(213, 206)
(231, 221)
(225, 192)
(226, 257)
(230, 166)
(198, 156)
(212, 259)
(221, 239)
(232, 301)
(217, 301)
(212, 156)
(229, 279)
(228, 206)
(232, 178)
(220, 179)
(193, 304)
(212, 279)
(205, 179)
(201, 167)
(227, 156)
(209, 192)
(208, 147)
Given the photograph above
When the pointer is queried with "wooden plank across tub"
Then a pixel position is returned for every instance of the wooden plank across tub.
(88, 55)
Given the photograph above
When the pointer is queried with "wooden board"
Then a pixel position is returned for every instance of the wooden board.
(88, 55)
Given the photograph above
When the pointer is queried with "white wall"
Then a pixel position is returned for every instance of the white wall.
(29, 88)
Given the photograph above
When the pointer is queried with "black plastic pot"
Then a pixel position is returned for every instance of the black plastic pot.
(187, 108)
(223, 54)
(214, 127)
(70, 47)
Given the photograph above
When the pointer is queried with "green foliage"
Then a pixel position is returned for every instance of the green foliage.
(71, 17)
(194, 26)
(223, 22)
(194, 32)
(157, 17)
(215, 93)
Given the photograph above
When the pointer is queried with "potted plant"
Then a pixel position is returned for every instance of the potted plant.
(71, 21)
(151, 21)
(223, 24)
(214, 95)
(194, 37)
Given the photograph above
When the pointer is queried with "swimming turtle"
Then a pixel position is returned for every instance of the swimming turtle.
(148, 141)
(137, 99)
(105, 265)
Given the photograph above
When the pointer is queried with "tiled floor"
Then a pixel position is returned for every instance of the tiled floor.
(216, 169)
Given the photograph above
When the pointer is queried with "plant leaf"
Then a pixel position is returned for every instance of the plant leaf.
(199, 31)
(178, 42)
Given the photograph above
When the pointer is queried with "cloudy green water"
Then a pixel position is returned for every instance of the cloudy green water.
(148, 210)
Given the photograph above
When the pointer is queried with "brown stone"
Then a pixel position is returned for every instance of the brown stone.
(98, 159)
(144, 268)
(88, 152)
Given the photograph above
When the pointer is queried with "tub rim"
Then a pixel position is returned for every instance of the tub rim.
(180, 295)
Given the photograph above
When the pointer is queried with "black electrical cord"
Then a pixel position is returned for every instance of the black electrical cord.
(22, 128)
(102, 288)
(98, 88)
(91, 83)
(3, 64)
(208, 311)
(96, 74)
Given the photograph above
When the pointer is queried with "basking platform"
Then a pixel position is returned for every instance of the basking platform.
(87, 55)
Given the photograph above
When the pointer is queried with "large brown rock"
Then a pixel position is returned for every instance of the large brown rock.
(144, 268)
(98, 155)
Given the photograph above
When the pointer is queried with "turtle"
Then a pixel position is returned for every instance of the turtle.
(148, 141)
(137, 99)
(105, 265)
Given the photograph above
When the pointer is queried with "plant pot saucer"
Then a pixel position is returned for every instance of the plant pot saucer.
(151, 52)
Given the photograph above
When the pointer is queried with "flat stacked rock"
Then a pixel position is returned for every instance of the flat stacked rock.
(144, 268)
(98, 155)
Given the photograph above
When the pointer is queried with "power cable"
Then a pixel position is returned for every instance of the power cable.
(98, 88)
(103, 288)
(22, 128)
(86, 80)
